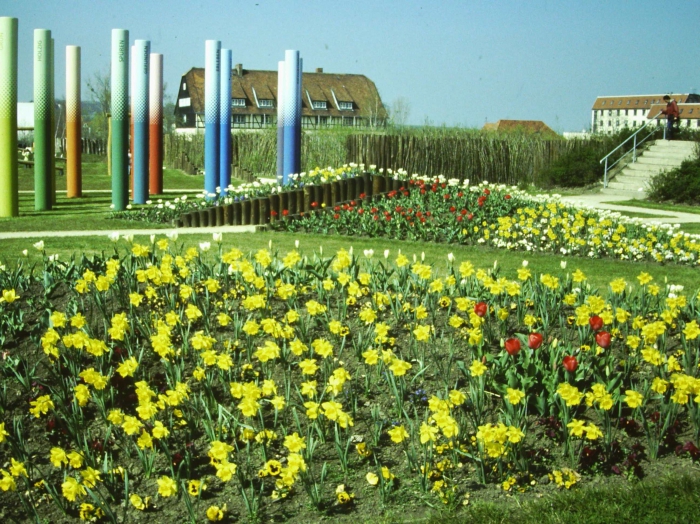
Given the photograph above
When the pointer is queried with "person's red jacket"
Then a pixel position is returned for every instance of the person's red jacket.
(671, 109)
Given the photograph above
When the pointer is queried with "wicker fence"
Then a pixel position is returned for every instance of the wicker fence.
(508, 159)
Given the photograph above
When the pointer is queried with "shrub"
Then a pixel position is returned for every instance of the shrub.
(576, 168)
(680, 185)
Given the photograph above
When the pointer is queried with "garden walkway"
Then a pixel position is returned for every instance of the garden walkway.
(596, 201)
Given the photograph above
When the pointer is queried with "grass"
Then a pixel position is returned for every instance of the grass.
(598, 271)
(672, 500)
(95, 177)
(91, 212)
(679, 208)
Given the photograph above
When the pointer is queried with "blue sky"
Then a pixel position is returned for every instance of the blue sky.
(456, 62)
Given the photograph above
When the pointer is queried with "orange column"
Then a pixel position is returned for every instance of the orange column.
(73, 123)
(155, 123)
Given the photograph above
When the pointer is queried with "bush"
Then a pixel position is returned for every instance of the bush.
(680, 185)
(576, 168)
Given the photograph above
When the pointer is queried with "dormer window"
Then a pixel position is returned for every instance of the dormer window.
(603, 103)
(319, 104)
(345, 106)
(265, 102)
(238, 102)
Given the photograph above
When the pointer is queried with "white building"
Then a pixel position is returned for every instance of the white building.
(613, 113)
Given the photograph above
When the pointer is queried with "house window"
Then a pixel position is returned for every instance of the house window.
(690, 111)
(345, 106)
(625, 112)
(646, 102)
(618, 112)
(628, 102)
(266, 119)
(265, 102)
(609, 112)
(238, 102)
(184, 86)
(239, 119)
(347, 121)
(619, 103)
(323, 121)
(319, 104)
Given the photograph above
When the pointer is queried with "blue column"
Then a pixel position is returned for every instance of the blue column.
(225, 121)
(280, 121)
(212, 81)
(292, 115)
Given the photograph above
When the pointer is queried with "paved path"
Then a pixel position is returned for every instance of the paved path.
(125, 232)
(596, 200)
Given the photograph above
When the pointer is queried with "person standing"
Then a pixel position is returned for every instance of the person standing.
(672, 115)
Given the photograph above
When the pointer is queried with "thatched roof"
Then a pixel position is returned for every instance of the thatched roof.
(319, 86)
(522, 126)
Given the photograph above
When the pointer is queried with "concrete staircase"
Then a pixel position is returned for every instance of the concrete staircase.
(661, 156)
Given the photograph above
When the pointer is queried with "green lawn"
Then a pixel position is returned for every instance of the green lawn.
(599, 272)
(679, 208)
(95, 177)
(671, 500)
(91, 212)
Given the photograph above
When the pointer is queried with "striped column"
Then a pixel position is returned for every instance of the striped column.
(212, 86)
(120, 118)
(291, 115)
(9, 203)
(42, 120)
(73, 123)
(139, 96)
(280, 121)
(225, 120)
(155, 129)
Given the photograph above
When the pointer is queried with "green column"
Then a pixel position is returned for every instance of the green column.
(52, 137)
(42, 120)
(120, 119)
(9, 206)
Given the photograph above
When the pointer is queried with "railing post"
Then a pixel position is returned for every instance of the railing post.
(605, 179)
(634, 149)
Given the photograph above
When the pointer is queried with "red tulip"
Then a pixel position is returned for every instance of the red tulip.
(534, 340)
(596, 323)
(481, 308)
(602, 338)
(512, 346)
(570, 363)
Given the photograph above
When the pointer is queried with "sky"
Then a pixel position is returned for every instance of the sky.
(455, 63)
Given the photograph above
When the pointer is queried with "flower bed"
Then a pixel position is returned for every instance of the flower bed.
(191, 385)
(160, 211)
(440, 210)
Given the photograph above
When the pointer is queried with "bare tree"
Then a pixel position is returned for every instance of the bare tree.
(399, 111)
(100, 89)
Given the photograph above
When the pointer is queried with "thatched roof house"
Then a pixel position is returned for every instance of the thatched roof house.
(328, 99)
(532, 127)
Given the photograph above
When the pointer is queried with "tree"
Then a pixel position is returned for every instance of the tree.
(399, 111)
(100, 89)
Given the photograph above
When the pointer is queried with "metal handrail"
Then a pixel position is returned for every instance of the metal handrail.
(633, 150)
